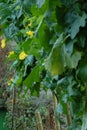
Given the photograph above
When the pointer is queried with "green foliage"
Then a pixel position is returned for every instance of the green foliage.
(75, 21)
(82, 71)
(58, 47)
(40, 3)
(84, 126)
(55, 61)
(33, 77)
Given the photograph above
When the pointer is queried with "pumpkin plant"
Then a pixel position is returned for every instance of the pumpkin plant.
(50, 50)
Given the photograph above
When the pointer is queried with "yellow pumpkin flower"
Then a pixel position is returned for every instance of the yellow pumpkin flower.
(30, 33)
(22, 55)
(29, 25)
(10, 53)
(3, 43)
(10, 81)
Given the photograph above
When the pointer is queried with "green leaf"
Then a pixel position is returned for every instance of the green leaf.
(43, 36)
(39, 22)
(33, 76)
(82, 71)
(5, 12)
(59, 58)
(40, 3)
(54, 3)
(74, 22)
(84, 125)
(82, 39)
(55, 61)
(19, 13)
(70, 46)
(32, 47)
(17, 80)
(75, 59)
(72, 60)
(70, 2)
(59, 108)
(11, 30)
(13, 65)
(70, 89)
(27, 4)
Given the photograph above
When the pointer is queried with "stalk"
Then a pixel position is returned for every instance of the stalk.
(39, 120)
(69, 118)
(57, 123)
(13, 108)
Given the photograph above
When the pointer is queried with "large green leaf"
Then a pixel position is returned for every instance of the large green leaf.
(11, 30)
(33, 76)
(55, 61)
(44, 36)
(75, 21)
(5, 12)
(59, 58)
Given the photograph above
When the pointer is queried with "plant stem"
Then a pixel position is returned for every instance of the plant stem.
(13, 108)
(57, 123)
(69, 118)
(39, 120)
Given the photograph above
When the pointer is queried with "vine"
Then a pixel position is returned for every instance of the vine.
(50, 50)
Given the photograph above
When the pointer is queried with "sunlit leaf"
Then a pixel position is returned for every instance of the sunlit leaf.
(55, 61)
